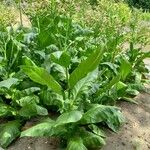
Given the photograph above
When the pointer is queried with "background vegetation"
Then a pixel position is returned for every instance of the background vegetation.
(144, 4)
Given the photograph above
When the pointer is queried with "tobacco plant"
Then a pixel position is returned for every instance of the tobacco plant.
(79, 72)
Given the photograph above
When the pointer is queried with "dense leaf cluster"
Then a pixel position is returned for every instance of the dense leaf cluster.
(144, 4)
(58, 65)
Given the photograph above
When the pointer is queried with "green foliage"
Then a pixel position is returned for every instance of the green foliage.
(41, 76)
(73, 64)
(144, 4)
(76, 143)
(85, 67)
(9, 132)
(99, 113)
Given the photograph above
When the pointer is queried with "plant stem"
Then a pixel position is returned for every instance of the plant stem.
(67, 78)
(20, 11)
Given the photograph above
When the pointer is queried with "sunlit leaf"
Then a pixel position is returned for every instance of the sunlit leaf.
(101, 113)
(8, 83)
(76, 144)
(69, 117)
(41, 76)
(85, 67)
(39, 130)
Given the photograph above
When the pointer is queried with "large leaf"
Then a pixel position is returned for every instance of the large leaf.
(32, 99)
(83, 84)
(60, 58)
(50, 98)
(85, 67)
(31, 90)
(30, 110)
(9, 132)
(8, 83)
(27, 61)
(76, 144)
(125, 68)
(6, 110)
(92, 140)
(69, 117)
(41, 76)
(96, 130)
(101, 113)
(110, 65)
(41, 129)
(109, 85)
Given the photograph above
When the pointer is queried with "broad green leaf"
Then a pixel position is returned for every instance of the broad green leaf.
(6, 110)
(60, 58)
(83, 84)
(120, 88)
(76, 144)
(92, 140)
(96, 130)
(32, 99)
(112, 66)
(41, 76)
(27, 61)
(55, 56)
(41, 110)
(31, 90)
(30, 110)
(65, 59)
(120, 85)
(9, 132)
(8, 83)
(69, 117)
(51, 99)
(109, 85)
(125, 68)
(39, 130)
(85, 67)
(101, 113)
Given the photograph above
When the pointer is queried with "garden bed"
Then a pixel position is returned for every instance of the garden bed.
(135, 134)
(67, 77)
